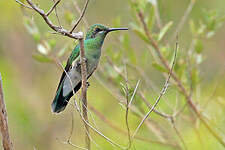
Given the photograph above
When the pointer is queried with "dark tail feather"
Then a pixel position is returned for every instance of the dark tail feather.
(60, 102)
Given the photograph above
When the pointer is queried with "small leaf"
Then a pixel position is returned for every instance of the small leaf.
(41, 58)
(158, 67)
(151, 18)
(32, 28)
(139, 32)
(164, 30)
(41, 49)
(198, 46)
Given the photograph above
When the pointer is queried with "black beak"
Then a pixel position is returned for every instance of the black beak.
(115, 29)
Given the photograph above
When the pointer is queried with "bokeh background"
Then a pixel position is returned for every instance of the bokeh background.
(29, 85)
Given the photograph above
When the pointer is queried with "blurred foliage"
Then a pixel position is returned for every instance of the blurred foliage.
(30, 76)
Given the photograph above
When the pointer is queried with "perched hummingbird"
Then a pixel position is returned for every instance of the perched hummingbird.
(92, 45)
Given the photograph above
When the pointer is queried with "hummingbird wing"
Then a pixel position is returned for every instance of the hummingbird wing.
(62, 97)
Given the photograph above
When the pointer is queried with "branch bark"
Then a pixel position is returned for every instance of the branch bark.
(84, 90)
(7, 144)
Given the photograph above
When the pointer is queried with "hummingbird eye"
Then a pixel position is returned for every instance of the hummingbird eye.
(97, 29)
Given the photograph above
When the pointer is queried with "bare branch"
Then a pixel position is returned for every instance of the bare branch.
(161, 93)
(81, 16)
(57, 29)
(121, 131)
(84, 89)
(53, 7)
(7, 143)
(79, 11)
(22, 4)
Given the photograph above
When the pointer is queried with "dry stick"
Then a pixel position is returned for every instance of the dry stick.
(163, 91)
(178, 81)
(81, 16)
(122, 100)
(57, 16)
(121, 131)
(22, 4)
(84, 90)
(58, 29)
(79, 11)
(128, 103)
(126, 92)
(52, 8)
(166, 116)
(7, 144)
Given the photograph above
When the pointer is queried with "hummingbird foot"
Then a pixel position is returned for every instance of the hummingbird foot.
(88, 84)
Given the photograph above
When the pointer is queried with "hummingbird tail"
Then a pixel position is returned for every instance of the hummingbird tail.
(60, 102)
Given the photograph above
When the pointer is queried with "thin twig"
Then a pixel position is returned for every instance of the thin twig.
(178, 133)
(52, 8)
(6, 141)
(121, 131)
(178, 82)
(84, 90)
(163, 91)
(71, 131)
(57, 16)
(56, 28)
(81, 16)
(183, 19)
(126, 91)
(79, 11)
(22, 4)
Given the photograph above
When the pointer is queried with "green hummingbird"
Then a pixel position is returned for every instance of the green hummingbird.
(72, 79)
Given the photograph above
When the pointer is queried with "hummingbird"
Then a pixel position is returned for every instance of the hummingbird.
(71, 80)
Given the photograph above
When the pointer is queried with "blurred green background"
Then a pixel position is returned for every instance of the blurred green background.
(29, 86)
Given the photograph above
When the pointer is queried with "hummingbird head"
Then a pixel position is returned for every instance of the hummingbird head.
(98, 30)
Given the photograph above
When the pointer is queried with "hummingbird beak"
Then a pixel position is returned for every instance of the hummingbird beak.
(115, 29)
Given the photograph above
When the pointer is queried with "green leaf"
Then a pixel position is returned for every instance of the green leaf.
(164, 30)
(139, 32)
(151, 18)
(32, 28)
(52, 43)
(158, 67)
(42, 58)
(41, 49)
(198, 46)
